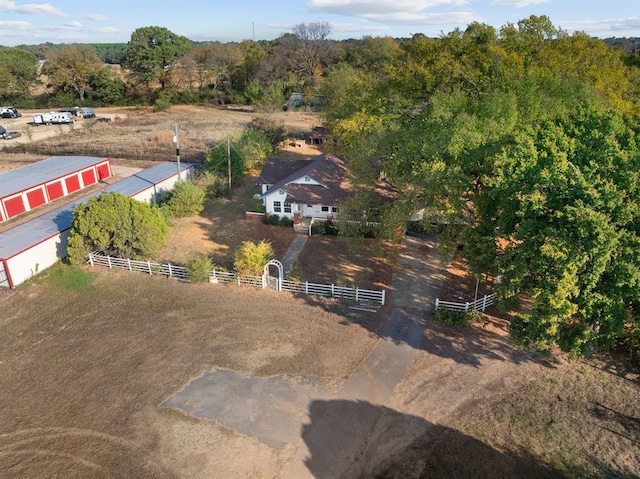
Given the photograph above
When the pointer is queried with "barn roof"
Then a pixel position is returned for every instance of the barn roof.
(34, 174)
(41, 228)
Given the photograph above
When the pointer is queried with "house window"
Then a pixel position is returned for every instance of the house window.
(287, 207)
(325, 209)
(334, 209)
(277, 207)
(307, 179)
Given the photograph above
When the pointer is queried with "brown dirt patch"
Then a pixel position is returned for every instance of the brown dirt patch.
(83, 374)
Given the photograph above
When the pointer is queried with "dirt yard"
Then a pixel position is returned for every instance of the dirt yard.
(84, 370)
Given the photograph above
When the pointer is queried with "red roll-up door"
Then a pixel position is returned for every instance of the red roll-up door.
(55, 190)
(103, 171)
(14, 206)
(73, 183)
(88, 177)
(36, 198)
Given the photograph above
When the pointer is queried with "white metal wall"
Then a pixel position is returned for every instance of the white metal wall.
(37, 258)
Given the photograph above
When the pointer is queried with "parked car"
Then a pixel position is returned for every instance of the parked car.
(87, 112)
(9, 112)
(7, 135)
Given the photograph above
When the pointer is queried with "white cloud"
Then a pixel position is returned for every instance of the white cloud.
(602, 28)
(418, 18)
(365, 8)
(31, 8)
(16, 25)
(96, 17)
(517, 3)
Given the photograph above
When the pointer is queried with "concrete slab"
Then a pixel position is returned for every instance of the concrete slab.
(270, 409)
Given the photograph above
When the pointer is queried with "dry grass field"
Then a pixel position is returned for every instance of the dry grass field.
(89, 355)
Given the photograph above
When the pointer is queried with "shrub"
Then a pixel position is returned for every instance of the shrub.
(199, 269)
(295, 272)
(318, 228)
(161, 104)
(286, 221)
(251, 257)
(273, 130)
(256, 205)
(271, 219)
(455, 318)
(186, 199)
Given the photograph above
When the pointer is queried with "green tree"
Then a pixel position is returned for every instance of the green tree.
(116, 225)
(18, 72)
(106, 89)
(251, 257)
(186, 199)
(560, 218)
(152, 51)
(247, 151)
(71, 68)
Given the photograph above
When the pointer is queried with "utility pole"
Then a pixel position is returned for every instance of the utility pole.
(176, 142)
(229, 163)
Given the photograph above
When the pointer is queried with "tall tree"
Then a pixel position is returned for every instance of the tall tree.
(71, 68)
(151, 51)
(308, 49)
(18, 71)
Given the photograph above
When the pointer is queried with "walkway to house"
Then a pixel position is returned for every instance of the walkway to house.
(329, 431)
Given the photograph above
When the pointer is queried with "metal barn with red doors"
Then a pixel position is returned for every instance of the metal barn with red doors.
(24, 189)
(33, 246)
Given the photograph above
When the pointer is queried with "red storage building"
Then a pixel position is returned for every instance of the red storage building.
(26, 188)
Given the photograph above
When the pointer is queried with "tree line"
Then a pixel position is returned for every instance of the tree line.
(157, 64)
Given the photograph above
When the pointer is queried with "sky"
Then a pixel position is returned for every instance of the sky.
(113, 21)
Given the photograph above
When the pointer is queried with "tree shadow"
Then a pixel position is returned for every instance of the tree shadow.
(357, 439)
(627, 426)
(468, 345)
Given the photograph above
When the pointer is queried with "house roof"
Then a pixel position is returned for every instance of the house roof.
(328, 170)
(34, 174)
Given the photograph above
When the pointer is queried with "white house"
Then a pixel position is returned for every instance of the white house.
(307, 188)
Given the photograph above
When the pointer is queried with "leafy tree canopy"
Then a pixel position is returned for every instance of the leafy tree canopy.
(527, 137)
(116, 225)
(151, 50)
(72, 67)
(18, 71)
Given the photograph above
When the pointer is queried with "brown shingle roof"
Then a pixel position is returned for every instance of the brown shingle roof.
(326, 169)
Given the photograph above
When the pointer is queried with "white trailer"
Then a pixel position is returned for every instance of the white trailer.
(53, 118)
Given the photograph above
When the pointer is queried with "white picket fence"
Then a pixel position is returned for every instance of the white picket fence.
(478, 305)
(224, 277)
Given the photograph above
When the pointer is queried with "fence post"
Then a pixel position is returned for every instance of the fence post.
(357, 290)
(437, 303)
(306, 287)
(383, 295)
(484, 303)
(170, 272)
(129, 263)
(91, 259)
(333, 291)
(109, 261)
(149, 267)
(466, 307)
